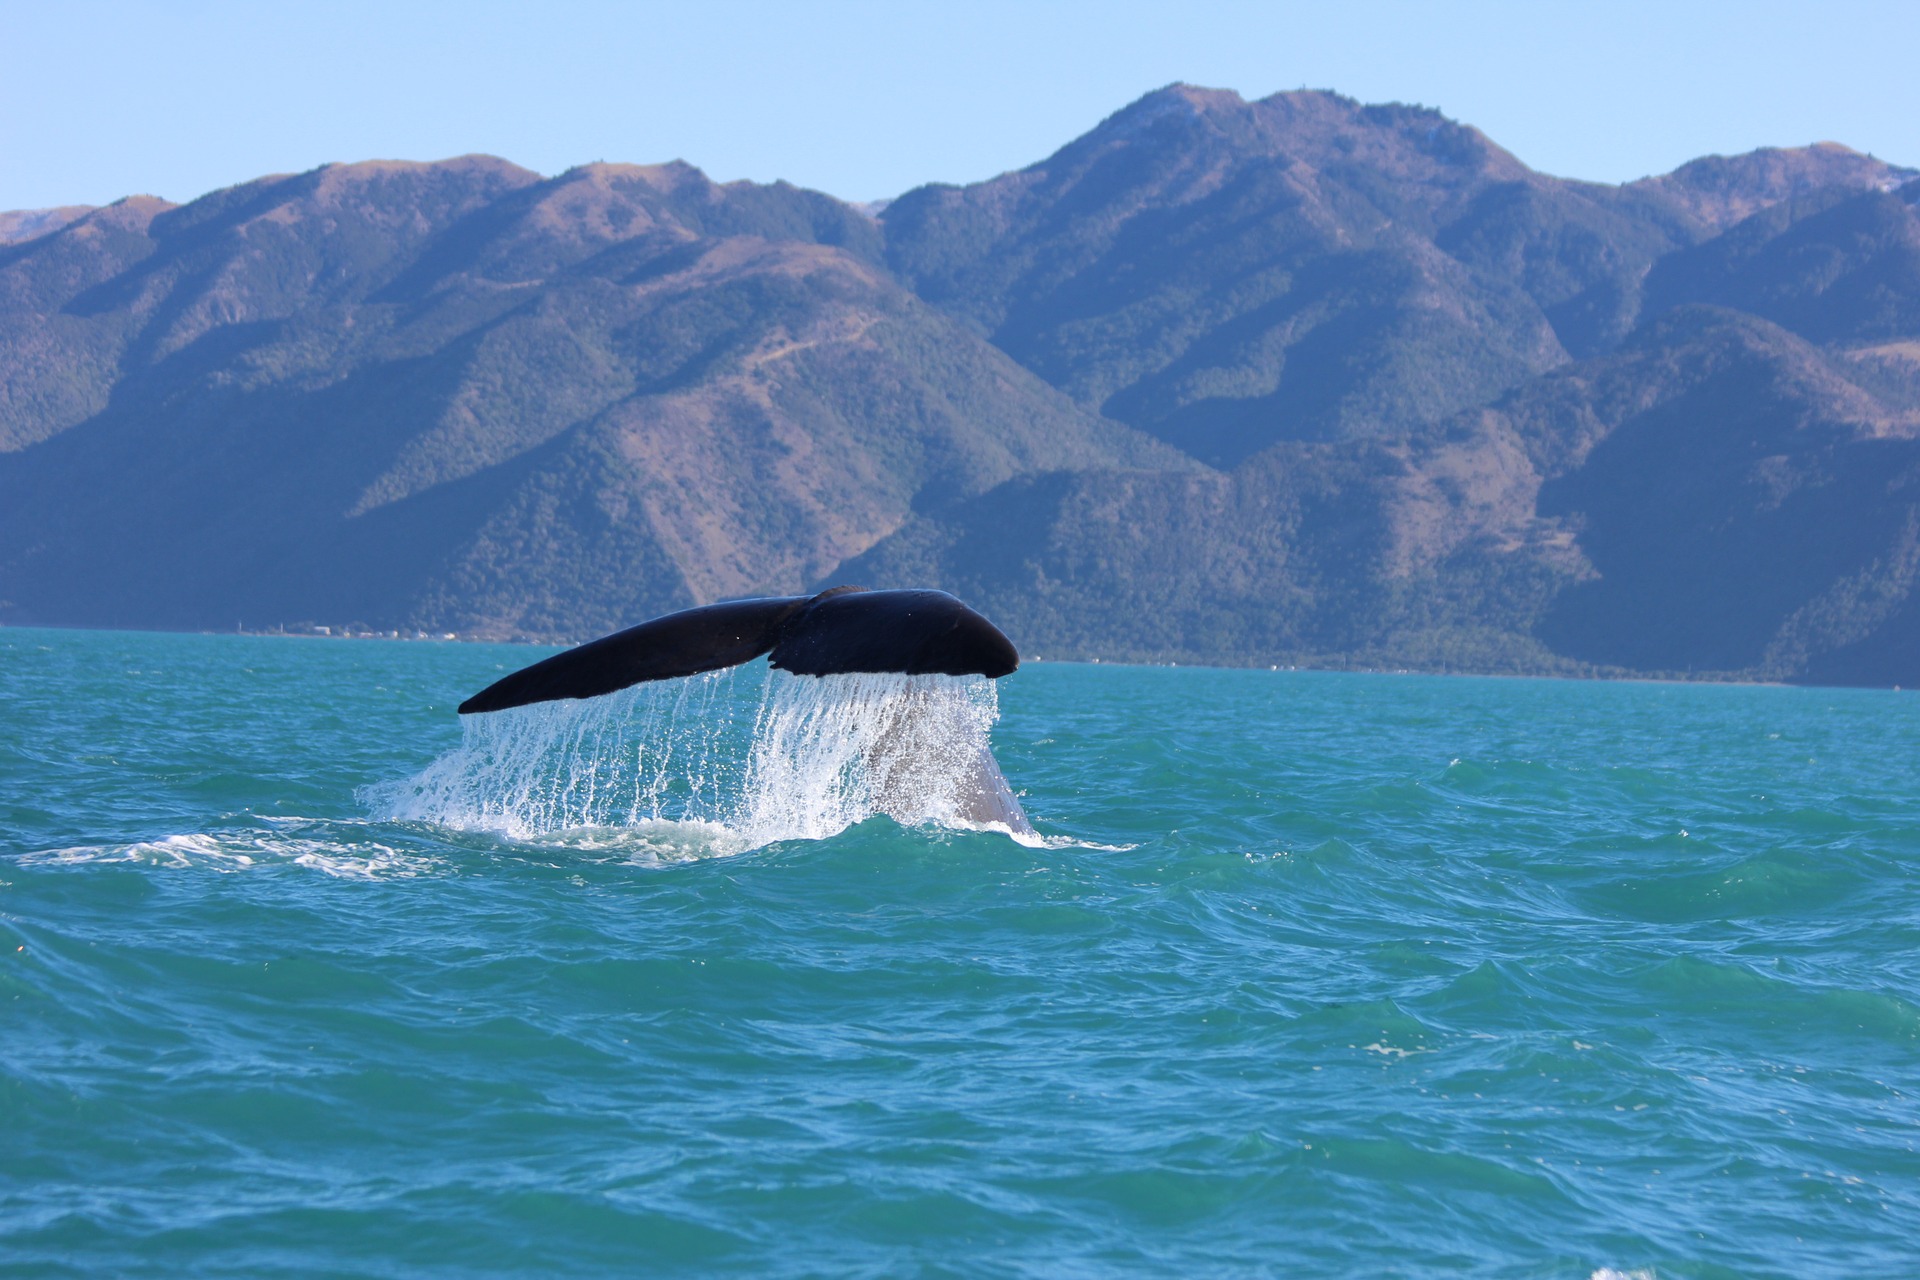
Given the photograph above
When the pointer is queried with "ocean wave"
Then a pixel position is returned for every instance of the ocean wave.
(246, 850)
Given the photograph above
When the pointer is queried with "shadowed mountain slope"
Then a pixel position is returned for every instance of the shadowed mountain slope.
(1834, 266)
(1717, 496)
(1747, 507)
(1296, 380)
(1226, 274)
(457, 394)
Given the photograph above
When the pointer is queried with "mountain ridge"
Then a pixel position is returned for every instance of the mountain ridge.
(1297, 379)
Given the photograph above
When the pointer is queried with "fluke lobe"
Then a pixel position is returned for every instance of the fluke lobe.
(844, 630)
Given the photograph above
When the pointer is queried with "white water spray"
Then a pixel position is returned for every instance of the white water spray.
(806, 758)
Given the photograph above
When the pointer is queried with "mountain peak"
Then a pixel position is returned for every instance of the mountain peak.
(1177, 102)
(1191, 97)
(30, 224)
(1323, 127)
(471, 163)
(1274, 379)
(673, 175)
(1723, 190)
(1316, 127)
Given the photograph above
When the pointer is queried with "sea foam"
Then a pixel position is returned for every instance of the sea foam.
(747, 759)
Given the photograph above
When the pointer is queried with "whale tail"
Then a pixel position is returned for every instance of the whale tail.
(679, 644)
(841, 631)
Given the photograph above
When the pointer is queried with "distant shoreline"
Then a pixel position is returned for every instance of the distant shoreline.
(1326, 667)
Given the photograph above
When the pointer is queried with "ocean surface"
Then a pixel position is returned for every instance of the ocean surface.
(1304, 974)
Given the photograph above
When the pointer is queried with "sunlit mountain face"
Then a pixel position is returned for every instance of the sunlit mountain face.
(1299, 380)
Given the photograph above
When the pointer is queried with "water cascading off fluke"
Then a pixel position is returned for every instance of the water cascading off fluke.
(751, 755)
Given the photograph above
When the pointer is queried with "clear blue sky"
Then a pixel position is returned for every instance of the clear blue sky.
(101, 98)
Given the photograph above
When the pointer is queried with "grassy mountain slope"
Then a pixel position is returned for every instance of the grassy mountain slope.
(457, 395)
(27, 224)
(1297, 380)
(1834, 266)
(1717, 496)
(1226, 274)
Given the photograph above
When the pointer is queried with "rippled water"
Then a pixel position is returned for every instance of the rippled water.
(1314, 974)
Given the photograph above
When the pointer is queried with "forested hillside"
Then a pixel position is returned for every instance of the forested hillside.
(1295, 380)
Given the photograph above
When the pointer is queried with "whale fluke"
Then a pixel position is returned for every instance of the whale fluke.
(679, 644)
(841, 631)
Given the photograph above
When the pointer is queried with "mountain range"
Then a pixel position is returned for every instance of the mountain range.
(1297, 380)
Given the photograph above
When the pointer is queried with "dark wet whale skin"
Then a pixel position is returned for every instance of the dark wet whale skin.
(843, 630)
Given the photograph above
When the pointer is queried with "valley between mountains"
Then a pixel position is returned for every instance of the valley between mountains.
(1289, 381)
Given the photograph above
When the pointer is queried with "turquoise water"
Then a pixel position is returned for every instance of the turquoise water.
(1312, 974)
